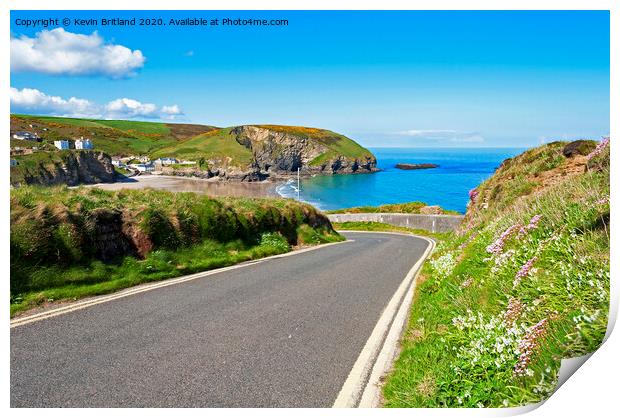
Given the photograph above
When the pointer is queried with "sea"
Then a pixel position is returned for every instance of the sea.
(448, 185)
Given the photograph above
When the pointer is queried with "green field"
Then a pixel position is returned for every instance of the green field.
(184, 141)
(110, 136)
(216, 145)
(123, 125)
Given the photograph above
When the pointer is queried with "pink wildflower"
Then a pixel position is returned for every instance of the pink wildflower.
(524, 271)
(532, 225)
(513, 310)
(498, 246)
(534, 222)
(599, 148)
(473, 194)
(529, 345)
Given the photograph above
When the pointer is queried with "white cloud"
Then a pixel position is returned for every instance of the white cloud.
(171, 112)
(35, 101)
(129, 108)
(427, 132)
(449, 135)
(59, 52)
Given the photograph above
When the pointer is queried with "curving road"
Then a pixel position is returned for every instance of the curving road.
(283, 332)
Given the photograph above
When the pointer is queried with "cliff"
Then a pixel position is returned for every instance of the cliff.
(241, 153)
(251, 153)
(276, 149)
(62, 167)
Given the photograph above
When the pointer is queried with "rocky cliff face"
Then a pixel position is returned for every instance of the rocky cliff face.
(277, 153)
(282, 153)
(70, 168)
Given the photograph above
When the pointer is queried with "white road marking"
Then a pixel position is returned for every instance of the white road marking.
(362, 387)
(23, 320)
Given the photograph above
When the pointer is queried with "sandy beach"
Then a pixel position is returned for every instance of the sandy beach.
(197, 185)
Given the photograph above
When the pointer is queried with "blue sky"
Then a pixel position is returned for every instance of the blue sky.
(449, 79)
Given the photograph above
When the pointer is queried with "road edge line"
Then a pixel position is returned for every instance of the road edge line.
(141, 288)
(362, 387)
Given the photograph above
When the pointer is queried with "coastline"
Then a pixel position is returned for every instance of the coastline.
(197, 185)
(281, 186)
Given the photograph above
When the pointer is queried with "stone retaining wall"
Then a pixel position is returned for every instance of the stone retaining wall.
(432, 223)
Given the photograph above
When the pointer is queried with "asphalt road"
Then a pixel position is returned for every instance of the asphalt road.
(280, 333)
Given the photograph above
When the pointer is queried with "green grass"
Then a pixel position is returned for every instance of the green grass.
(218, 144)
(143, 128)
(340, 145)
(519, 177)
(69, 243)
(409, 207)
(471, 310)
(115, 137)
(123, 125)
(381, 227)
(68, 121)
(96, 277)
(346, 146)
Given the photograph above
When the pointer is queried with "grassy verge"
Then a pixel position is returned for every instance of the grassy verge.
(381, 227)
(500, 303)
(71, 243)
(97, 277)
(409, 207)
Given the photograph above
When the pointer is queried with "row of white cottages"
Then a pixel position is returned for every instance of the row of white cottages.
(145, 164)
(82, 143)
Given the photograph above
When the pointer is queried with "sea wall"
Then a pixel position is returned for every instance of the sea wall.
(432, 223)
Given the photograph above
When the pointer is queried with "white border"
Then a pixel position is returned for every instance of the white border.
(592, 391)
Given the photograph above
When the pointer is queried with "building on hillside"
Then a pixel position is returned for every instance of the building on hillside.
(83, 143)
(166, 161)
(62, 144)
(27, 136)
(116, 162)
(143, 167)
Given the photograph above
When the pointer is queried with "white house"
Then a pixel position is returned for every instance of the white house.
(118, 163)
(83, 143)
(28, 136)
(143, 167)
(166, 161)
(62, 144)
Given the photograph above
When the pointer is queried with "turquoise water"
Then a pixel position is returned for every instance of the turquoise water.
(447, 186)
